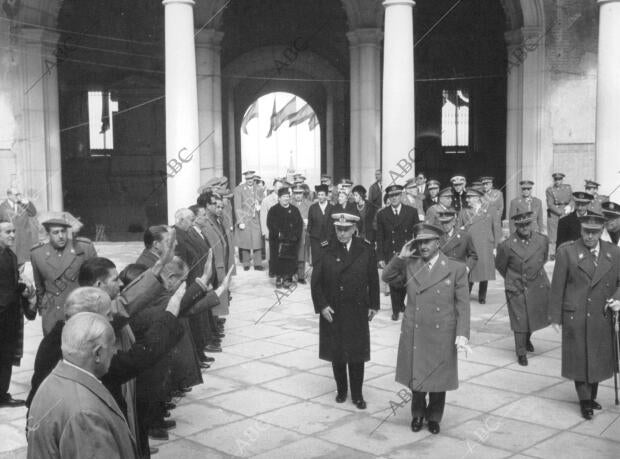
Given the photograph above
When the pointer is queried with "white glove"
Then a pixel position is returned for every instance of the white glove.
(241, 226)
(567, 209)
(327, 313)
(612, 304)
(461, 345)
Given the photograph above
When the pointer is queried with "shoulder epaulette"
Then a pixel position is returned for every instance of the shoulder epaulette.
(85, 240)
(324, 243)
(37, 245)
(565, 244)
(367, 242)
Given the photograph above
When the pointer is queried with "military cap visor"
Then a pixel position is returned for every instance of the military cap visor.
(56, 222)
(486, 179)
(558, 176)
(526, 184)
(250, 172)
(592, 184)
(426, 232)
(344, 219)
(522, 219)
(472, 193)
(284, 191)
(393, 190)
(582, 197)
(446, 216)
(593, 222)
(323, 188)
(611, 210)
(458, 180)
(432, 184)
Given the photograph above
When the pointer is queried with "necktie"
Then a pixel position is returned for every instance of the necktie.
(344, 246)
(594, 253)
(396, 212)
(429, 266)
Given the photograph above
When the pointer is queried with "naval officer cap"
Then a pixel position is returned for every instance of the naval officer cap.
(582, 197)
(324, 188)
(284, 190)
(522, 219)
(394, 190)
(426, 232)
(47, 224)
(611, 210)
(592, 222)
(344, 219)
(458, 180)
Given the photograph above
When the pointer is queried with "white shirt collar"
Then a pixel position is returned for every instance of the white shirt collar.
(82, 370)
(348, 244)
(397, 208)
(433, 260)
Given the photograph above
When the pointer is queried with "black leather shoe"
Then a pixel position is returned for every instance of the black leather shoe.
(586, 409)
(340, 398)
(595, 405)
(153, 450)
(11, 402)
(523, 360)
(213, 348)
(167, 414)
(279, 282)
(165, 424)
(433, 427)
(481, 301)
(178, 393)
(208, 359)
(185, 390)
(530, 347)
(204, 365)
(360, 404)
(302, 281)
(259, 268)
(246, 268)
(158, 434)
(394, 316)
(169, 406)
(416, 424)
(219, 334)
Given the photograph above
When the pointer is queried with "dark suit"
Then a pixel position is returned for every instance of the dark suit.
(375, 195)
(392, 233)
(569, 228)
(459, 201)
(319, 228)
(11, 319)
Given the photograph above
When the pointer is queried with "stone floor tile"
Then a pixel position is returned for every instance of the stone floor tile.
(307, 417)
(539, 365)
(187, 449)
(480, 398)
(385, 356)
(252, 372)
(376, 400)
(548, 413)
(491, 356)
(196, 417)
(257, 349)
(300, 359)
(385, 382)
(573, 445)
(482, 338)
(245, 438)
(252, 401)
(468, 370)
(303, 385)
(12, 435)
(443, 446)
(516, 381)
(297, 339)
(313, 448)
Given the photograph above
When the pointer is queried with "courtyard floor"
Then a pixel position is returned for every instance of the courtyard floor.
(269, 396)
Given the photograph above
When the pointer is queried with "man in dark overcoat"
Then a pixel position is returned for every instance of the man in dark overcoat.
(521, 261)
(319, 223)
(11, 315)
(394, 228)
(345, 292)
(285, 230)
(435, 326)
(569, 228)
(55, 267)
(586, 279)
(455, 243)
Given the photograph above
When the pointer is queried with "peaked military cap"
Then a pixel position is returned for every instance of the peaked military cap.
(582, 197)
(445, 192)
(426, 231)
(592, 221)
(592, 184)
(526, 184)
(611, 209)
(324, 188)
(558, 175)
(393, 190)
(472, 192)
(523, 218)
(432, 184)
(56, 222)
(344, 219)
(446, 215)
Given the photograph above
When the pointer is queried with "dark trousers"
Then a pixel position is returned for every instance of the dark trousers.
(356, 376)
(586, 391)
(521, 340)
(482, 289)
(301, 269)
(6, 369)
(433, 411)
(397, 295)
(244, 257)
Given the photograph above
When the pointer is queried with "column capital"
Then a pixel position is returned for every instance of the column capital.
(365, 36)
(209, 38)
(387, 3)
(186, 2)
(601, 2)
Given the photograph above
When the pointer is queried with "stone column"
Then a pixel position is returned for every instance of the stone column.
(182, 133)
(398, 141)
(329, 132)
(608, 98)
(365, 53)
(209, 102)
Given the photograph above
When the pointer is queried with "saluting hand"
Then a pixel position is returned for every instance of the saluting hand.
(407, 251)
(327, 313)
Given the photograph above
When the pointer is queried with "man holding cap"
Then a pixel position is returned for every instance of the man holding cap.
(455, 243)
(394, 228)
(611, 211)
(521, 261)
(345, 292)
(247, 230)
(526, 203)
(597, 199)
(55, 267)
(585, 286)
(559, 203)
(569, 228)
(285, 230)
(435, 326)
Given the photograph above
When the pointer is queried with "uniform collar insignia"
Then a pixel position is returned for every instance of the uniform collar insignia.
(443, 263)
(514, 240)
(338, 260)
(608, 255)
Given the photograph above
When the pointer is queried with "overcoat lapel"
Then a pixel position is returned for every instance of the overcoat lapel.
(424, 279)
(603, 265)
(354, 252)
(524, 251)
(584, 260)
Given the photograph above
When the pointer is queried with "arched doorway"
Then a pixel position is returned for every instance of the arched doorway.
(280, 133)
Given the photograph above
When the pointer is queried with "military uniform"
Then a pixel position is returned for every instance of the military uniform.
(521, 205)
(249, 239)
(521, 262)
(557, 200)
(55, 276)
(459, 246)
(495, 198)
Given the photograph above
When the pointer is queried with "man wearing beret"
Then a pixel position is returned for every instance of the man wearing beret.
(394, 228)
(597, 199)
(584, 290)
(435, 325)
(521, 261)
(559, 203)
(526, 203)
(345, 292)
(611, 233)
(569, 228)
(55, 267)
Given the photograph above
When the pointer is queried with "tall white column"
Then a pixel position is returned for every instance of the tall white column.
(365, 53)
(608, 98)
(182, 133)
(398, 141)
(208, 49)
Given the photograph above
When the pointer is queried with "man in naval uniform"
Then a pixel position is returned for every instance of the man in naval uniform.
(55, 267)
(559, 203)
(611, 233)
(569, 228)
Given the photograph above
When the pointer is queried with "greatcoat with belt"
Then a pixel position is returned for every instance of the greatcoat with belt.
(349, 283)
(579, 291)
(247, 207)
(522, 264)
(55, 276)
(437, 312)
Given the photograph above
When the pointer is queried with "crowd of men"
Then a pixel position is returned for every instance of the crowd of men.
(120, 348)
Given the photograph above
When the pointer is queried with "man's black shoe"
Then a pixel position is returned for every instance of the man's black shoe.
(302, 281)
(482, 301)
(416, 424)
(530, 347)
(259, 268)
(213, 348)
(360, 404)
(395, 316)
(158, 434)
(166, 424)
(433, 427)
(246, 268)
(153, 450)
(595, 405)
(340, 398)
(204, 365)
(279, 282)
(10, 402)
(169, 406)
(209, 359)
(523, 360)
(586, 409)
(219, 334)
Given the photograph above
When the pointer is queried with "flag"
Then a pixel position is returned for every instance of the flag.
(314, 121)
(305, 113)
(283, 115)
(105, 112)
(249, 116)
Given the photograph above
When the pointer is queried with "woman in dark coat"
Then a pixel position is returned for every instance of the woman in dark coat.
(285, 230)
(345, 292)
(367, 211)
